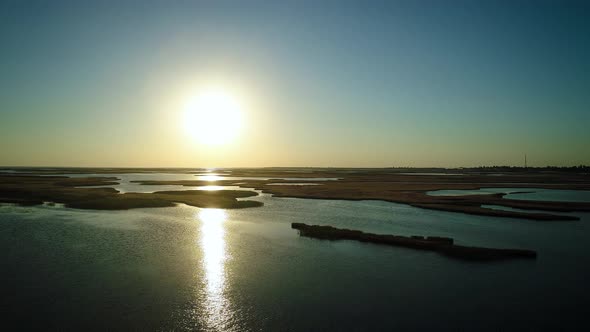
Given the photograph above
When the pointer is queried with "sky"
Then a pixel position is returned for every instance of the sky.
(319, 83)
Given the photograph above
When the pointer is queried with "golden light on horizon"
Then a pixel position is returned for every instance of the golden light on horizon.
(213, 117)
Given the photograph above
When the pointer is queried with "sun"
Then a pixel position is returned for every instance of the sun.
(213, 117)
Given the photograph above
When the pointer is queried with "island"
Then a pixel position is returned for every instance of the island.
(441, 245)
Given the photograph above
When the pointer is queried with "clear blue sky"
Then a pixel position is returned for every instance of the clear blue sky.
(366, 83)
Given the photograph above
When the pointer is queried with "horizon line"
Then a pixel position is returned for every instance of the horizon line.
(335, 167)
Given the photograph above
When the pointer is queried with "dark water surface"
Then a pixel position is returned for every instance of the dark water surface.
(185, 268)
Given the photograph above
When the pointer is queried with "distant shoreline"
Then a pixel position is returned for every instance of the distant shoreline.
(384, 184)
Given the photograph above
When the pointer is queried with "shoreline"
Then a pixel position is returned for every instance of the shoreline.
(352, 184)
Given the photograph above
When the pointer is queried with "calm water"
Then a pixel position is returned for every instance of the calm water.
(293, 184)
(534, 194)
(431, 173)
(186, 268)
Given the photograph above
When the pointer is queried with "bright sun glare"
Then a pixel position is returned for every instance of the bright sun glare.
(213, 117)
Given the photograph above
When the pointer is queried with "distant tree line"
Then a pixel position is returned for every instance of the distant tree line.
(574, 169)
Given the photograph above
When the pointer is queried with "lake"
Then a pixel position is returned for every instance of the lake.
(186, 268)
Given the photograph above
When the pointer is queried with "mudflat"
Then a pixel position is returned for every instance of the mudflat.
(34, 190)
(407, 186)
(412, 187)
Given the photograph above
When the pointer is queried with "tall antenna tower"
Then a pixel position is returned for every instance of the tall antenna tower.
(525, 165)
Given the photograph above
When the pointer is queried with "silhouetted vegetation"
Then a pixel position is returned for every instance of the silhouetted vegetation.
(442, 245)
(574, 169)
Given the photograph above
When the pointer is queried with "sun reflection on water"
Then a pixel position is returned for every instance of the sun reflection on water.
(214, 257)
(209, 177)
(210, 188)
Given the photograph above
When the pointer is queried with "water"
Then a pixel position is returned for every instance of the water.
(553, 195)
(482, 191)
(126, 183)
(534, 194)
(293, 184)
(218, 177)
(186, 268)
(507, 208)
(431, 173)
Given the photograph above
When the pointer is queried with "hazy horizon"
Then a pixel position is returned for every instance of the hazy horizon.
(343, 84)
(213, 168)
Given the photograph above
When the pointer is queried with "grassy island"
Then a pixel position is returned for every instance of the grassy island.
(442, 245)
